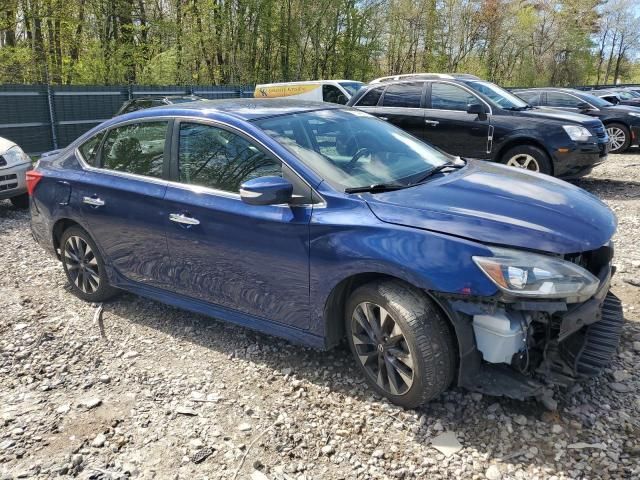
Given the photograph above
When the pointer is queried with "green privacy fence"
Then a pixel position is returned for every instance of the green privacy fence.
(45, 117)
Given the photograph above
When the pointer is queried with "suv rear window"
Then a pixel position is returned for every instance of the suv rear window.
(370, 99)
(407, 95)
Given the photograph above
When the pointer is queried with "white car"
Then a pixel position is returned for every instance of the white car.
(332, 91)
(14, 164)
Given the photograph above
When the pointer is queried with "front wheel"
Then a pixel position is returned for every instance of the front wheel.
(619, 137)
(84, 266)
(528, 157)
(401, 342)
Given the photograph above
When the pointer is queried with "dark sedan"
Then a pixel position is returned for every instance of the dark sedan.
(621, 121)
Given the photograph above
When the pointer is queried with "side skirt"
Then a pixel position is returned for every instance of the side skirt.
(262, 325)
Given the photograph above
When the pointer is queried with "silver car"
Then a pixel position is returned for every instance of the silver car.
(14, 164)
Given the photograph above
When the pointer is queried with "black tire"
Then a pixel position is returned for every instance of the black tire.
(538, 160)
(85, 271)
(427, 344)
(20, 201)
(618, 130)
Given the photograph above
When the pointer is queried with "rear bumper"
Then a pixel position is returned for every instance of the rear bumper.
(580, 159)
(13, 180)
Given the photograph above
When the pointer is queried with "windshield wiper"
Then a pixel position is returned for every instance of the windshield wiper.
(436, 170)
(376, 188)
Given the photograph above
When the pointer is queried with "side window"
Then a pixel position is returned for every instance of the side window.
(89, 149)
(370, 99)
(408, 95)
(332, 94)
(557, 99)
(212, 157)
(445, 96)
(532, 98)
(136, 148)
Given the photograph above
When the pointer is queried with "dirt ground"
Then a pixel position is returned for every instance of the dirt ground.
(150, 390)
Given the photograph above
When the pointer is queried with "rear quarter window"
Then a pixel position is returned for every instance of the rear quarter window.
(89, 149)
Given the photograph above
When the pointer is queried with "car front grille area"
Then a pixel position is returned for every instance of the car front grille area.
(7, 182)
(592, 260)
(589, 350)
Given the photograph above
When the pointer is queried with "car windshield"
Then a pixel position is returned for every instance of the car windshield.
(593, 100)
(351, 87)
(499, 95)
(624, 95)
(351, 149)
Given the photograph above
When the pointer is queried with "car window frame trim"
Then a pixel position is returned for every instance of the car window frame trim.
(171, 119)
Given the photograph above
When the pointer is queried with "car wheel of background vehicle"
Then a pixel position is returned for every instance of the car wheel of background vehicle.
(84, 266)
(20, 201)
(401, 342)
(619, 137)
(528, 157)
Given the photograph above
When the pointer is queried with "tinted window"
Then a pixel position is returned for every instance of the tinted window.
(449, 97)
(136, 148)
(558, 99)
(212, 157)
(370, 99)
(532, 98)
(89, 149)
(333, 94)
(406, 95)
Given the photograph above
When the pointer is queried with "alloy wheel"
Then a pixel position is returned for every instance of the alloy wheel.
(382, 348)
(524, 160)
(617, 138)
(81, 264)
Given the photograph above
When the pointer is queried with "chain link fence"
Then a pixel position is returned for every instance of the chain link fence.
(45, 117)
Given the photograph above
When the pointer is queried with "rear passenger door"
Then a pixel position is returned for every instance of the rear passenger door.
(401, 106)
(121, 198)
(450, 127)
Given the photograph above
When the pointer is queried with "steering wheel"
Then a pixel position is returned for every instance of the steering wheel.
(357, 156)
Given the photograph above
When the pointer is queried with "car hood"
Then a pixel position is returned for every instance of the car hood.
(624, 109)
(543, 113)
(501, 205)
(5, 145)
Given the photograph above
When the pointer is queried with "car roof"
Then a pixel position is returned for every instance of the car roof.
(162, 97)
(242, 108)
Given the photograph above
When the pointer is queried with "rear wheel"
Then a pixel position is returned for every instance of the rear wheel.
(401, 342)
(84, 266)
(20, 201)
(619, 137)
(528, 157)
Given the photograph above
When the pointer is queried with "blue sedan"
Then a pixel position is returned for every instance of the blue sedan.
(319, 223)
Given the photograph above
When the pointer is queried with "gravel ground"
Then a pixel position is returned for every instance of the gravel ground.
(150, 390)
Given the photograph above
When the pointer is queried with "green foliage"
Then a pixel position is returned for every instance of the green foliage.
(513, 42)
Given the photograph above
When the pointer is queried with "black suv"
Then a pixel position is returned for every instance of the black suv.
(622, 122)
(466, 116)
(141, 103)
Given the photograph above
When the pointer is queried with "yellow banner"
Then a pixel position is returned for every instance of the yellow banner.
(283, 90)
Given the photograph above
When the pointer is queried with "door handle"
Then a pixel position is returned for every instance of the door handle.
(432, 122)
(93, 201)
(182, 218)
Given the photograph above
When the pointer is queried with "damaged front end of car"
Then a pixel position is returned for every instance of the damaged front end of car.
(553, 322)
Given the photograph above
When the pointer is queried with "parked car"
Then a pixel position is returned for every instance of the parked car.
(141, 103)
(618, 97)
(332, 91)
(469, 117)
(317, 222)
(621, 122)
(14, 163)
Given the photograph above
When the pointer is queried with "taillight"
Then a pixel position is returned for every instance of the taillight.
(33, 177)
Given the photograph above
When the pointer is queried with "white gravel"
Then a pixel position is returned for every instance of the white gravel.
(168, 394)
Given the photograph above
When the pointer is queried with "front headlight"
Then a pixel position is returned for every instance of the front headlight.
(15, 156)
(539, 276)
(577, 133)
(633, 114)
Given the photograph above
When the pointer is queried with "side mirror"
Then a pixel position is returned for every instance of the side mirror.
(476, 109)
(584, 107)
(266, 191)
